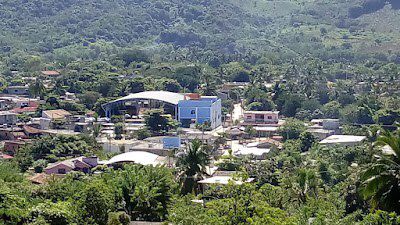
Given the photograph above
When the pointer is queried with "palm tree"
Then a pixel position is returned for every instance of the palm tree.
(220, 141)
(250, 131)
(192, 165)
(37, 89)
(382, 179)
(305, 184)
(96, 130)
(208, 86)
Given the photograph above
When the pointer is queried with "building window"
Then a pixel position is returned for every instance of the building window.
(249, 117)
(61, 171)
(259, 117)
(270, 117)
(193, 112)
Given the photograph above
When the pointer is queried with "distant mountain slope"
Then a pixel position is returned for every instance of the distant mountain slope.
(228, 26)
(50, 24)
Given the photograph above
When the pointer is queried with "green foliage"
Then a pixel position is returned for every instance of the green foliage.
(95, 201)
(292, 129)
(156, 122)
(39, 165)
(191, 165)
(134, 55)
(381, 217)
(37, 89)
(146, 191)
(319, 65)
(307, 140)
(118, 218)
(118, 130)
(89, 98)
(53, 148)
(331, 110)
(235, 204)
(289, 104)
(142, 134)
(188, 77)
(13, 207)
(9, 172)
(59, 213)
(258, 106)
(380, 180)
(135, 86)
(117, 119)
(230, 162)
(250, 131)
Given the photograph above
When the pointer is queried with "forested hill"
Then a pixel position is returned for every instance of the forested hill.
(54, 24)
(227, 26)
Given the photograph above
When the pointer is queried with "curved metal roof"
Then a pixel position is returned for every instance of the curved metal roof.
(164, 96)
(138, 157)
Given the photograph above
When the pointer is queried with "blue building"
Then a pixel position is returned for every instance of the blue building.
(188, 109)
(200, 109)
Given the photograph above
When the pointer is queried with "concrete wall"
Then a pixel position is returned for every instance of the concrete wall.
(269, 118)
(18, 90)
(331, 124)
(216, 114)
(10, 118)
(92, 161)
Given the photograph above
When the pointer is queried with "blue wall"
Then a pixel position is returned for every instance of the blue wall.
(202, 110)
(171, 142)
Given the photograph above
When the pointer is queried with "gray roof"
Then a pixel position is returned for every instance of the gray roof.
(164, 96)
(342, 139)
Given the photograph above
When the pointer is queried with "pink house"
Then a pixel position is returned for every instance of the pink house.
(261, 117)
(83, 164)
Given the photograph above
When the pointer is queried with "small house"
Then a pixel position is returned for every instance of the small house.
(260, 117)
(57, 114)
(343, 140)
(18, 90)
(8, 118)
(83, 164)
(50, 73)
(55, 119)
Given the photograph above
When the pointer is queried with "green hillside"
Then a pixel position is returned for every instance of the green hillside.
(228, 26)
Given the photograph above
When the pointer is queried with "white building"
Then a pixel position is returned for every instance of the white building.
(344, 140)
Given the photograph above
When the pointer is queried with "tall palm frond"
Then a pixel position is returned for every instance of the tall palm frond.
(192, 165)
(381, 181)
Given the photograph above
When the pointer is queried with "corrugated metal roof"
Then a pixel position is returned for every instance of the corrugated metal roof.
(164, 96)
(138, 157)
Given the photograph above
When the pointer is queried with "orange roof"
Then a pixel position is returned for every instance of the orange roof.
(50, 73)
(42, 178)
(31, 130)
(25, 109)
(192, 96)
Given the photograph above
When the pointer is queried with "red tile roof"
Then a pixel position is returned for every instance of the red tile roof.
(23, 110)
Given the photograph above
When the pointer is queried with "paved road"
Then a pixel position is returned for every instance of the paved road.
(237, 113)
